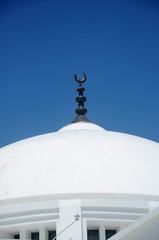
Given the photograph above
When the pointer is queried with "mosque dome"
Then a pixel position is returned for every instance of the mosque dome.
(81, 158)
(81, 182)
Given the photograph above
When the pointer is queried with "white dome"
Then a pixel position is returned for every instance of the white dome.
(81, 158)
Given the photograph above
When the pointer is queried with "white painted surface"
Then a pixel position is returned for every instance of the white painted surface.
(145, 228)
(80, 158)
(67, 227)
(37, 215)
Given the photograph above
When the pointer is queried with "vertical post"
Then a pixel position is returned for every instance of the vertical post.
(24, 234)
(101, 232)
(43, 235)
(84, 227)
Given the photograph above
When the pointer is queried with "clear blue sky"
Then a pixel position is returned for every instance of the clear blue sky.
(44, 42)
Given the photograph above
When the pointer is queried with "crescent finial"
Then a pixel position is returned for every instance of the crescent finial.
(80, 80)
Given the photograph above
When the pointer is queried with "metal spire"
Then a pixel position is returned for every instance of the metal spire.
(81, 110)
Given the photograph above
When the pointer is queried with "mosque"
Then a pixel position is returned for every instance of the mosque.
(80, 183)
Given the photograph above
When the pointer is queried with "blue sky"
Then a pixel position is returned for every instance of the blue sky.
(44, 42)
